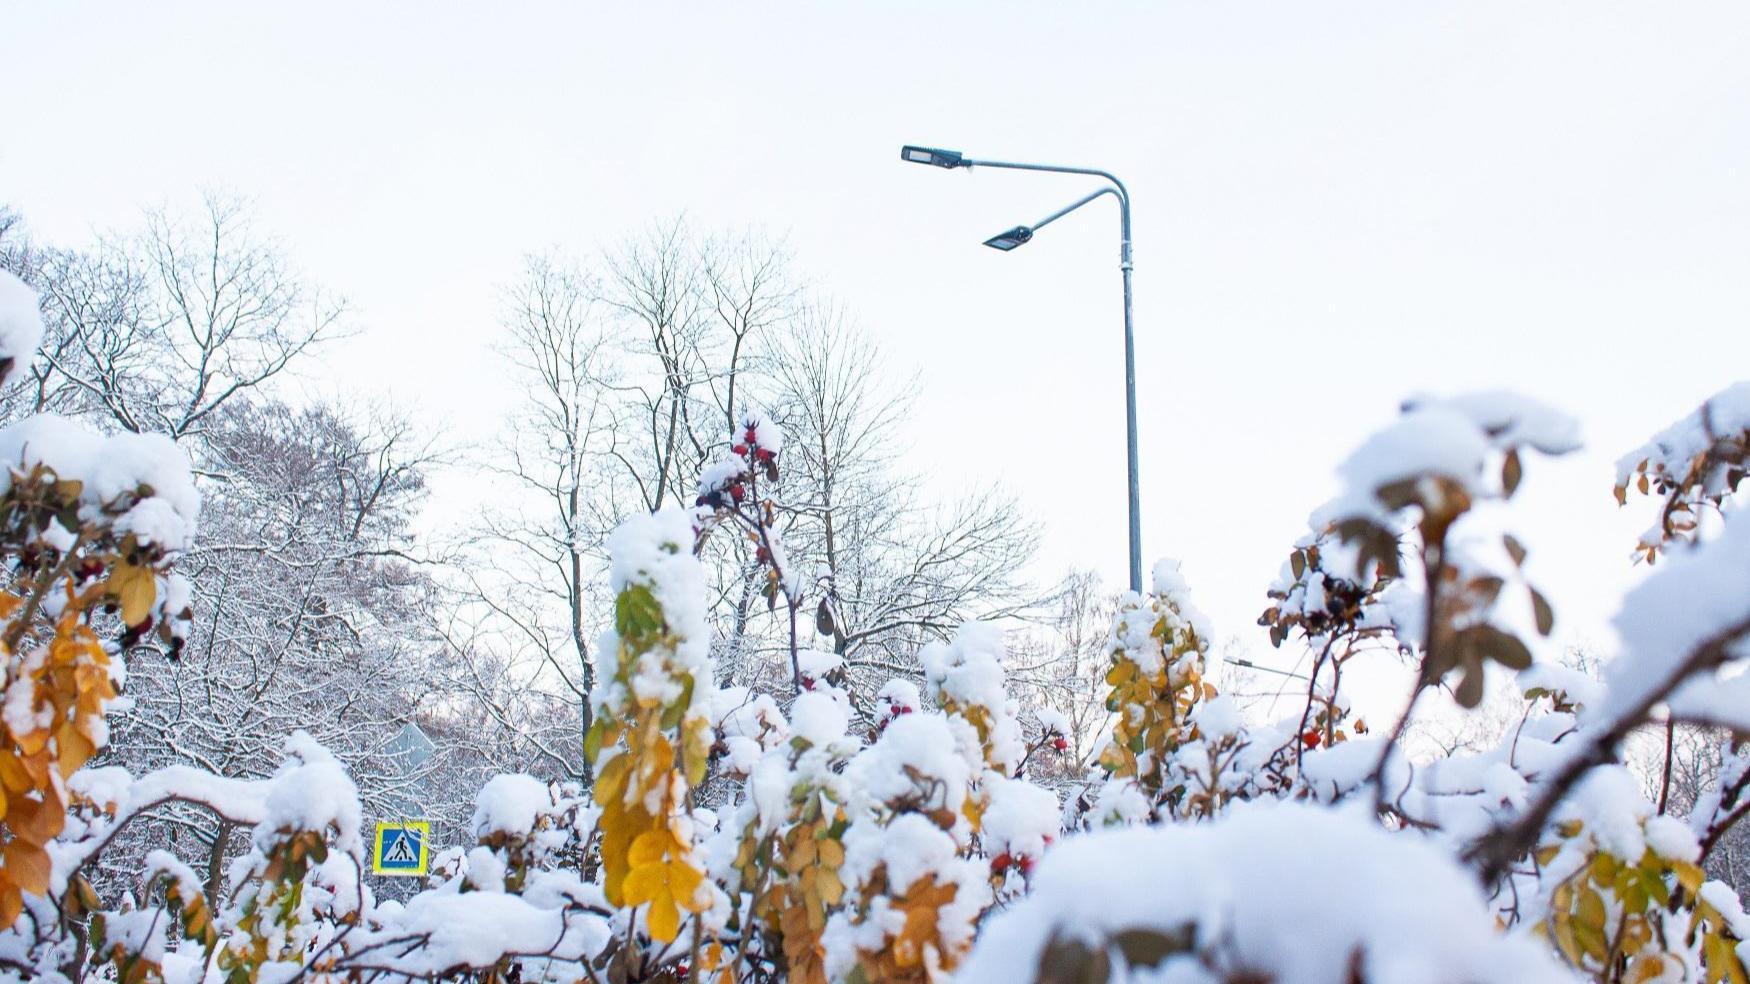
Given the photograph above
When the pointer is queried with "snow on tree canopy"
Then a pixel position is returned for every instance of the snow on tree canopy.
(1511, 419)
(311, 791)
(655, 552)
(761, 432)
(1673, 449)
(819, 719)
(1021, 818)
(966, 677)
(1053, 721)
(818, 667)
(895, 698)
(1700, 597)
(941, 750)
(21, 326)
(1450, 438)
(1171, 585)
(1286, 893)
(477, 929)
(112, 468)
(1430, 441)
(510, 803)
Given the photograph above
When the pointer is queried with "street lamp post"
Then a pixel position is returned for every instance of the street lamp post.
(1019, 236)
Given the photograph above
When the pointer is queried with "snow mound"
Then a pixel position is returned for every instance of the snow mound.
(1250, 897)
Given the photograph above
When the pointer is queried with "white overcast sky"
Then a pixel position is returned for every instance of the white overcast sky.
(1337, 205)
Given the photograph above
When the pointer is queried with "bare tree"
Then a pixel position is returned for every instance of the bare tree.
(637, 374)
(163, 328)
(893, 573)
(306, 593)
(559, 462)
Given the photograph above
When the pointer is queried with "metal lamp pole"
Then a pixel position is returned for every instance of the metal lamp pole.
(1020, 235)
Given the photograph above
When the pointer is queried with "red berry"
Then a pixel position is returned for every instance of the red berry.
(1311, 738)
(1001, 861)
(1026, 865)
(740, 449)
(1060, 743)
(765, 454)
(737, 493)
(752, 436)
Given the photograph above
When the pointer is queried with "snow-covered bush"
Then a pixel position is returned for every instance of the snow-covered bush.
(1273, 892)
(914, 846)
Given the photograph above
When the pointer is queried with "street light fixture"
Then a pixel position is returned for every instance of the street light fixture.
(1020, 235)
(930, 155)
(1006, 241)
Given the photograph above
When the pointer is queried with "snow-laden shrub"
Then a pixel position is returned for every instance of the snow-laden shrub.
(1311, 848)
(1271, 892)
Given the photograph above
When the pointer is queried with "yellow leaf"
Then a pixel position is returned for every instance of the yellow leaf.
(610, 780)
(664, 918)
(134, 588)
(1591, 912)
(651, 847)
(644, 884)
(831, 888)
(832, 853)
(74, 749)
(1646, 968)
(683, 884)
(802, 851)
(1690, 876)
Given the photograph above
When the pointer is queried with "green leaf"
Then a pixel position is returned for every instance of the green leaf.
(592, 740)
(637, 614)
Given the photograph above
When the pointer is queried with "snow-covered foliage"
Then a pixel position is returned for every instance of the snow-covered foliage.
(1696, 464)
(653, 699)
(896, 834)
(966, 680)
(1240, 900)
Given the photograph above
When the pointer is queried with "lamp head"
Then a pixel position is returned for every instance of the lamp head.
(932, 155)
(1006, 241)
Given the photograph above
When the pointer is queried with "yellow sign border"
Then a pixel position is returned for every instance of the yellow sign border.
(383, 827)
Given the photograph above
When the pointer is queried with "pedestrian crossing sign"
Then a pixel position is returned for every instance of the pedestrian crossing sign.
(403, 847)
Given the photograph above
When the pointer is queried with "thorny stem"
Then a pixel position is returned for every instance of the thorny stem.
(1665, 783)
(1495, 852)
(1434, 570)
(16, 631)
(758, 525)
(693, 955)
(1377, 777)
(1735, 811)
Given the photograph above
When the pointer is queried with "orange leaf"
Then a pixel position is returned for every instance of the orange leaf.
(28, 866)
